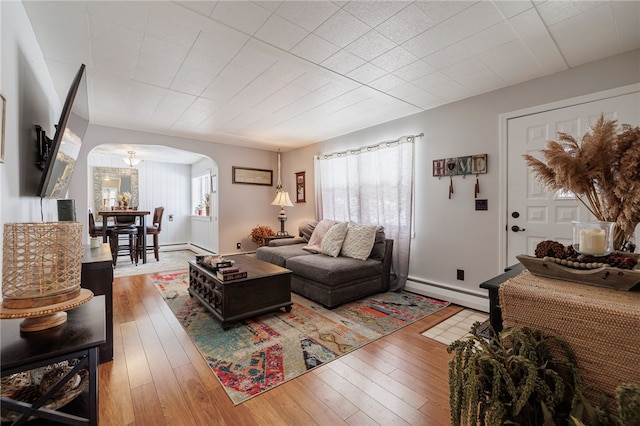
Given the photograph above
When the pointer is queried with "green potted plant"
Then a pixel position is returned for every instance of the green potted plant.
(519, 377)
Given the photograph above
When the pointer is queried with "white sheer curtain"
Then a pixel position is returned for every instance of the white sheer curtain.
(371, 186)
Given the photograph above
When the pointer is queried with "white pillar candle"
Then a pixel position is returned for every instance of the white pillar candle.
(592, 241)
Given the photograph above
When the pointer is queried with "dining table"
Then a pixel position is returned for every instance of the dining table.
(142, 225)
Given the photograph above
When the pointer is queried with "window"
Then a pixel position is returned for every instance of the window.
(201, 194)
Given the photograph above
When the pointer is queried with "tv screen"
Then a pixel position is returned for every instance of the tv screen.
(65, 145)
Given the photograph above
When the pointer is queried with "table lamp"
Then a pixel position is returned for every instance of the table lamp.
(282, 199)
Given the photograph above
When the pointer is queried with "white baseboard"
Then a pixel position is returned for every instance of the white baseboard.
(467, 300)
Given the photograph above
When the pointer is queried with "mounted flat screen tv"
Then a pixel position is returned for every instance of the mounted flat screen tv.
(58, 156)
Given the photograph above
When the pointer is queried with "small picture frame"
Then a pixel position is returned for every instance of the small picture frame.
(301, 191)
(250, 176)
(3, 125)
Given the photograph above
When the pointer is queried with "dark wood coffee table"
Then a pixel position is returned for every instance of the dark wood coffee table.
(267, 288)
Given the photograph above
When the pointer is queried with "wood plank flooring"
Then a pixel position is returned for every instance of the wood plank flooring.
(158, 377)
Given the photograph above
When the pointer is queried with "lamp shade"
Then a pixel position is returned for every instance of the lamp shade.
(282, 199)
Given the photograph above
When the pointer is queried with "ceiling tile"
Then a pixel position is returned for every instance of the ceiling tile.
(591, 45)
(532, 32)
(314, 49)
(307, 14)
(202, 7)
(245, 16)
(198, 111)
(511, 62)
(431, 81)
(440, 11)
(229, 82)
(474, 75)
(168, 52)
(414, 71)
(170, 22)
(196, 73)
(375, 13)
(424, 99)
(626, 15)
(171, 107)
(476, 18)
(281, 33)
(342, 62)
(489, 38)
(366, 73)
(143, 101)
(116, 33)
(133, 15)
(511, 8)
(449, 56)
(342, 28)
(155, 71)
(405, 25)
(283, 97)
(312, 81)
(370, 45)
(429, 42)
(394, 59)
(450, 91)
(113, 59)
(64, 47)
(219, 41)
(387, 82)
(553, 12)
(271, 5)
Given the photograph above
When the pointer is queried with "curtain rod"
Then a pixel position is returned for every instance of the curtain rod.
(410, 139)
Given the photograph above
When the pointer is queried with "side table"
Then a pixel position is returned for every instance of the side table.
(97, 276)
(78, 338)
(493, 285)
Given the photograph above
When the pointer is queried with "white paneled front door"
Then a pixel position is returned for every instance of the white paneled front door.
(533, 215)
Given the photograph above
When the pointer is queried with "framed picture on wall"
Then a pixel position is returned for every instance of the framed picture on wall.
(251, 176)
(300, 188)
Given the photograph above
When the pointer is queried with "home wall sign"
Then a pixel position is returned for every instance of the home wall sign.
(461, 166)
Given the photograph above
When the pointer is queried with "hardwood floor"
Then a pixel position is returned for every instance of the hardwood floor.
(158, 376)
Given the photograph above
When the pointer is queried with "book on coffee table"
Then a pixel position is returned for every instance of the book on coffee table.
(230, 275)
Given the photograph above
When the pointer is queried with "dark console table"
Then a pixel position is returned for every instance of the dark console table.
(97, 276)
(267, 288)
(495, 313)
(78, 338)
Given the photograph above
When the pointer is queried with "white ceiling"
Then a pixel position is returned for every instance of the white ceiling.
(285, 74)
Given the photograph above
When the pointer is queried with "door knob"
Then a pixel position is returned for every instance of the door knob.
(516, 228)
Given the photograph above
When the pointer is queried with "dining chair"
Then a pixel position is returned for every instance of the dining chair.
(154, 229)
(94, 231)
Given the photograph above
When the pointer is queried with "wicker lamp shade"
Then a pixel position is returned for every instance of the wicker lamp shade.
(41, 263)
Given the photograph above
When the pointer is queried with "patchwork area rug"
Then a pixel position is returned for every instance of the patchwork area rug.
(255, 355)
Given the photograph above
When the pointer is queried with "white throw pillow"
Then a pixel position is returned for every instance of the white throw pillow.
(315, 242)
(332, 241)
(359, 241)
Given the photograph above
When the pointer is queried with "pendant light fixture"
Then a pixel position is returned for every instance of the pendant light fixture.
(131, 161)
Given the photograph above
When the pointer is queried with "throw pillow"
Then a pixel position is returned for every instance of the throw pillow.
(332, 241)
(318, 234)
(359, 241)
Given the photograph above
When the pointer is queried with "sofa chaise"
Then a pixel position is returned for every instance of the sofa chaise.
(337, 274)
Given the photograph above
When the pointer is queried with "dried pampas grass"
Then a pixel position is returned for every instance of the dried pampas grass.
(602, 170)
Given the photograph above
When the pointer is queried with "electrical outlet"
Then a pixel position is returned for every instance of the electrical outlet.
(170, 218)
(460, 274)
(239, 246)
